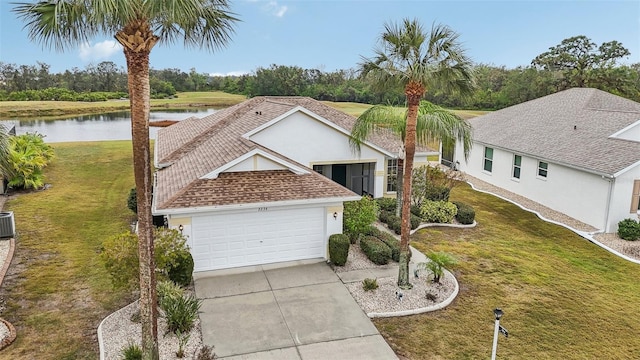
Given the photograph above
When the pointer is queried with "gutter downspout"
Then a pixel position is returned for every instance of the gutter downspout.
(612, 181)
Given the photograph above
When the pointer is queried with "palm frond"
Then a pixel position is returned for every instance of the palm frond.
(379, 118)
(435, 123)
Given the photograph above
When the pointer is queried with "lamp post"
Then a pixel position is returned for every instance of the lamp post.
(498, 313)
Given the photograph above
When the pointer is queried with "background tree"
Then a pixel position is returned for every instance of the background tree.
(574, 58)
(137, 25)
(414, 59)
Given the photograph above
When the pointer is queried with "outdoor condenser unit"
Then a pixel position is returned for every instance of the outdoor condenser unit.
(7, 224)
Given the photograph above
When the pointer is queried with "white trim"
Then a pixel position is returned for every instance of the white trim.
(313, 115)
(616, 134)
(193, 210)
(626, 169)
(294, 168)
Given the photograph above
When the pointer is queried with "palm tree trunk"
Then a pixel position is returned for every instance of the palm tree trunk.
(399, 182)
(413, 101)
(138, 79)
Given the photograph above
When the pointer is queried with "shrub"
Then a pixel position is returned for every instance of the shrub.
(369, 284)
(438, 261)
(28, 156)
(338, 249)
(386, 204)
(432, 183)
(181, 270)
(172, 257)
(132, 352)
(166, 288)
(392, 243)
(415, 221)
(180, 312)
(384, 216)
(371, 231)
(465, 215)
(377, 251)
(394, 223)
(358, 215)
(132, 201)
(629, 229)
(415, 210)
(438, 211)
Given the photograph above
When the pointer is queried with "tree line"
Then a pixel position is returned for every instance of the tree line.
(575, 62)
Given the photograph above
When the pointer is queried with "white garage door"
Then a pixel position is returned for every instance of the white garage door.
(231, 240)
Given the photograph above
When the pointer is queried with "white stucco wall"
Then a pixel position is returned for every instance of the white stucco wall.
(311, 142)
(621, 197)
(576, 193)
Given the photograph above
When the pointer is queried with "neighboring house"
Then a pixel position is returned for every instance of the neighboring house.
(576, 151)
(240, 183)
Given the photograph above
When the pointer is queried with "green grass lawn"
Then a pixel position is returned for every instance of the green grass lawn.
(11, 109)
(563, 297)
(58, 290)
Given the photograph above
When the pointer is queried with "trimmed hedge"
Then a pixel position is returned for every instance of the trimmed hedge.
(372, 231)
(386, 204)
(181, 270)
(392, 243)
(376, 250)
(338, 249)
(415, 221)
(394, 223)
(438, 211)
(415, 210)
(629, 229)
(466, 215)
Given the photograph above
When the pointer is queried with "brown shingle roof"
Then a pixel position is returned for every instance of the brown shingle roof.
(544, 128)
(193, 148)
(249, 187)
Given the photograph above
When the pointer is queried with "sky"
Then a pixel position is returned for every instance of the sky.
(336, 34)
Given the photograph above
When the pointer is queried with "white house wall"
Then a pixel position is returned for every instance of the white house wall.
(311, 142)
(576, 193)
(621, 198)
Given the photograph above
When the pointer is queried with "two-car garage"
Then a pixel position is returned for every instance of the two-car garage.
(257, 236)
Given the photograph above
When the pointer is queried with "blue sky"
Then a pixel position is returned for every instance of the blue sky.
(330, 35)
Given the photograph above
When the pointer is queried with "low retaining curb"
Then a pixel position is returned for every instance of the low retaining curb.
(12, 334)
(100, 338)
(455, 226)
(435, 307)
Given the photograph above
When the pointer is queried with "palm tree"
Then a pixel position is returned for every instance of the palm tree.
(137, 25)
(415, 60)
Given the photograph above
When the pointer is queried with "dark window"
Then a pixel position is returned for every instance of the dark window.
(517, 163)
(488, 159)
(392, 174)
(543, 168)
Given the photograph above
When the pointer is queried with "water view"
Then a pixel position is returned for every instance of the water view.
(96, 127)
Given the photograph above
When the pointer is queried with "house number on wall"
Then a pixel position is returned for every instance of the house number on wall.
(261, 209)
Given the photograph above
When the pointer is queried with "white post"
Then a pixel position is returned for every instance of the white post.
(495, 340)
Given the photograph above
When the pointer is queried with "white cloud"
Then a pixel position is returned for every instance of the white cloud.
(230, 73)
(277, 10)
(99, 51)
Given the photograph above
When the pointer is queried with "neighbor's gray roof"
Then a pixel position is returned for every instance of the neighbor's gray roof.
(192, 148)
(544, 128)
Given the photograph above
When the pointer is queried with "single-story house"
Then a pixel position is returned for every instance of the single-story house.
(264, 181)
(576, 151)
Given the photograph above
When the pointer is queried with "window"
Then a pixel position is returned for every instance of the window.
(392, 175)
(488, 159)
(318, 168)
(635, 198)
(543, 168)
(517, 163)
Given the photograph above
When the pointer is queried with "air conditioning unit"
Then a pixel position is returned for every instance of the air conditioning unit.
(7, 224)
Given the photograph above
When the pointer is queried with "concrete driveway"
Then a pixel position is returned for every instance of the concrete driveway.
(297, 312)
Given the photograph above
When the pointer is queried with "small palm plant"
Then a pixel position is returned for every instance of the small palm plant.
(438, 261)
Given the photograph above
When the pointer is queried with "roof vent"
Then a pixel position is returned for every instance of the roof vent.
(258, 112)
(575, 127)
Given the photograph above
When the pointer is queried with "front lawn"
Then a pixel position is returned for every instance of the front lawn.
(563, 297)
(57, 290)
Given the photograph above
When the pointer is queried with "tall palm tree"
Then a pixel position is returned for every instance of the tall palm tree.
(137, 25)
(411, 58)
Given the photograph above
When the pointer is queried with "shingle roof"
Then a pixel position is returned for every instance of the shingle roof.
(192, 148)
(257, 187)
(544, 128)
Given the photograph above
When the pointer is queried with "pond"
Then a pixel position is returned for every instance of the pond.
(97, 127)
